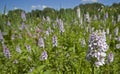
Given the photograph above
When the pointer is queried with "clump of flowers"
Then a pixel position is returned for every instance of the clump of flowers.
(48, 19)
(41, 42)
(18, 49)
(6, 51)
(23, 16)
(28, 31)
(116, 31)
(48, 31)
(61, 26)
(110, 58)
(22, 26)
(28, 47)
(95, 17)
(106, 15)
(8, 23)
(87, 17)
(78, 12)
(118, 19)
(117, 46)
(97, 48)
(107, 31)
(82, 42)
(13, 37)
(44, 56)
(1, 36)
(54, 41)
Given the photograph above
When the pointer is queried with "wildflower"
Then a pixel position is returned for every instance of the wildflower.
(31, 69)
(92, 30)
(99, 16)
(100, 62)
(28, 47)
(110, 57)
(118, 18)
(18, 49)
(82, 41)
(6, 52)
(87, 17)
(97, 48)
(53, 25)
(41, 42)
(118, 38)
(106, 15)
(15, 61)
(110, 36)
(38, 30)
(81, 21)
(100, 9)
(116, 31)
(117, 46)
(23, 26)
(78, 12)
(13, 37)
(8, 23)
(28, 31)
(1, 36)
(95, 17)
(86, 29)
(49, 30)
(115, 38)
(107, 31)
(47, 33)
(54, 41)
(113, 22)
(23, 16)
(44, 55)
(43, 18)
(48, 19)
(61, 27)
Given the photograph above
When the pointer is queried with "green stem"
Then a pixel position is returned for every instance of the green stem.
(92, 66)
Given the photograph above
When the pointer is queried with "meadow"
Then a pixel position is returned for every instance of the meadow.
(60, 42)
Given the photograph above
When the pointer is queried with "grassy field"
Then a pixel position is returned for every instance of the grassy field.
(44, 45)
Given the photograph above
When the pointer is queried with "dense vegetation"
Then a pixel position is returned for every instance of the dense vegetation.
(53, 41)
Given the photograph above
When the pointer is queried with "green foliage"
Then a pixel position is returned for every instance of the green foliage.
(70, 56)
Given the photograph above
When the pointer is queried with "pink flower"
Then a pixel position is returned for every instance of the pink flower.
(44, 55)
(23, 16)
(6, 51)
